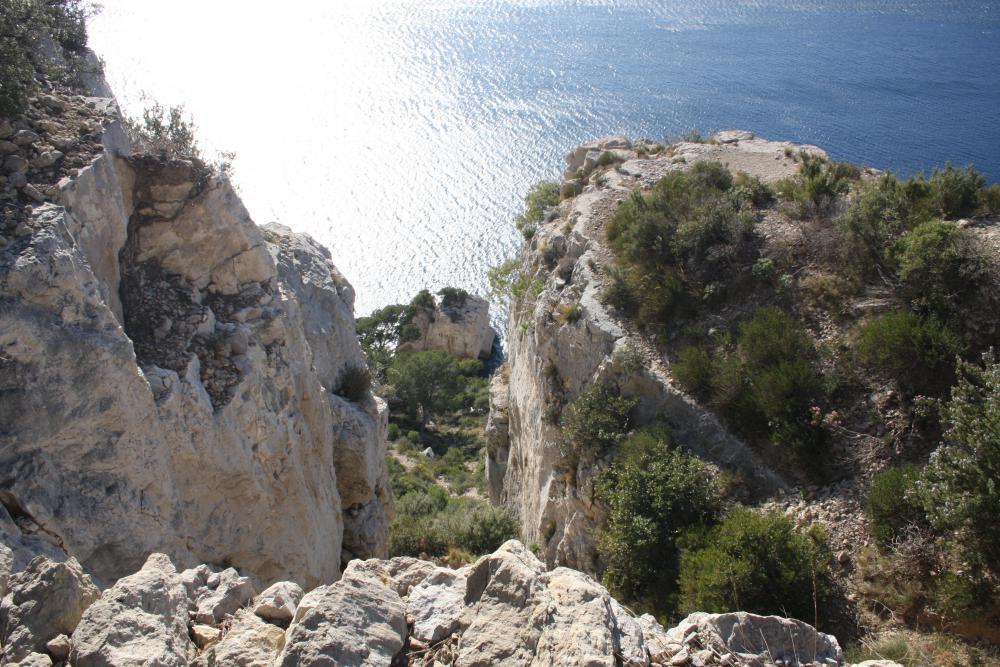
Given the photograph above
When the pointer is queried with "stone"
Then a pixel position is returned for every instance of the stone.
(278, 602)
(15, 163)
(732, 136)
(141, 620)
(52, 102)
(428, 453)
(45, 600)
(33, 660)
(8, 148)
(435, 605)
(249, 642)
(6, 129)
(25, 137)
(358, 621)
(18, 179)
(461, 329)
(59, 647)
(224, 593)
(877, 663)
(755, 639)
(407, 572)
(46, 160)
(31, 191)
(204, 635)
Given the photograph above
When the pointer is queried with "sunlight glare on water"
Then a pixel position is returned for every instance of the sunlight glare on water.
(403, 135)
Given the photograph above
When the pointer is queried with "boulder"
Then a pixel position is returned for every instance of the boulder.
(436, 604)
(406, 572)
(759, 640)
(59, 647)
(359, 621)
(278, 602)
(141, 620)
(33, 660)
(223, 594)
(249, 642)
(44, 601)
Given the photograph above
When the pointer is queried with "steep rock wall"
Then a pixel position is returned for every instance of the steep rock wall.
(551, 359)
(167, 373)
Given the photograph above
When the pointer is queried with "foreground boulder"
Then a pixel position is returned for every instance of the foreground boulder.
(141, 620)
(358, 620)
(45, 600)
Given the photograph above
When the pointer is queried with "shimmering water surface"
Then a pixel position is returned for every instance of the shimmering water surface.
(403, 135)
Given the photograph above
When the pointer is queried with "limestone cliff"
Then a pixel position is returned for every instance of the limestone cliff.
(169, 371)
(552, 357)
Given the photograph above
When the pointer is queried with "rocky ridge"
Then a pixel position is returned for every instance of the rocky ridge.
(551, 361)
(461, 329)
(504, 609)
(170, 370)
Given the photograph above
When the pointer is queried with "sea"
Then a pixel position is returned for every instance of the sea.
(403, 135)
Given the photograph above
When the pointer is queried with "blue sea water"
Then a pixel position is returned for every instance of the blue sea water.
(403, 135)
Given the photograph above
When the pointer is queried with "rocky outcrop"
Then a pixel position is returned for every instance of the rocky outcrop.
(507, 608)
(45, 601)
(169, 373)
(553, 357)
(459, 325)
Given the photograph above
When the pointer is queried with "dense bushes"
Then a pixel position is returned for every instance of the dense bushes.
(819, 183)
(938, 267)
(766, 384)
(673, 241)
(432, 383)
(594, 423)
(955, 192)
(754, 562)
(430, 523)
(919, 352)
(653, 492)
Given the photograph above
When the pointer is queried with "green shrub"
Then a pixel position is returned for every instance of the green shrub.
(452, 297)
(424, 300)
(756, 563)
(919, 352)
(989, 200)
(960, 489)
(540, 198)
(594, 423)
(383, 330)
(891, 505)
(955, 192)
(416, 538)
(881, 210)
(695, 371)
(163, 132)
(392, 432)
(750, 190)
(653, 492)
(569, 313)
(413, 436)
(773, 336)
(939, 267)
(478, 527)
(355, 383)
(818, 184)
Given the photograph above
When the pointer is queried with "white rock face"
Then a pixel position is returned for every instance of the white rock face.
(45, 601)
(169, 375)
(357, 621)
(552, 360)
(249, 642)
(461, 329)
(141, 620)
(223, 594)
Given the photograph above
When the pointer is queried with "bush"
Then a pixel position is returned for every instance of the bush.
(881, 209)
(695, 371)
(540, 198)
(750, 190)
(355, 383)
(478, 527)
(452, 297)
(392, 432)
(918, 352)
(939, 267)
(594, 423)
(413, 436)
(415, 538)
(989, 200)
(423, 300)
(569, 313)
(383, 330)
(818, 184)
(653, 492)
(756, 563)
(955, 192)
(960, 490)
(163, 132)
(890, 504)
